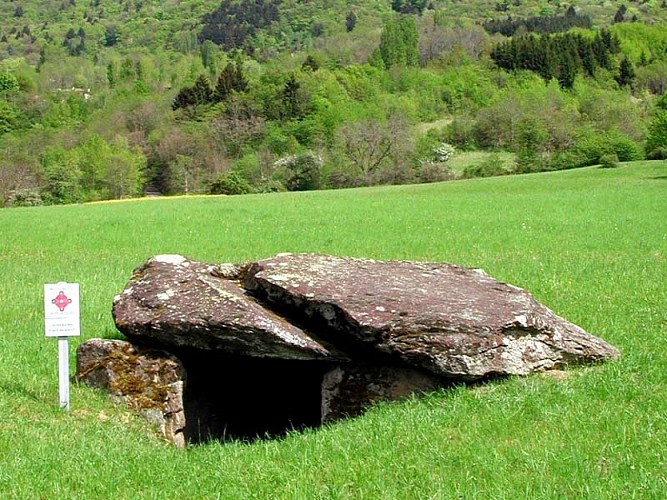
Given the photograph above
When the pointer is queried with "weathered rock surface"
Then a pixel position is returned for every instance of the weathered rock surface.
(174, 301)
(300, 339)
(351, 388)
(149, 381)
(453, 321)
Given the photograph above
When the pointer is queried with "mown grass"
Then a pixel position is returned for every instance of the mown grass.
(590, 243)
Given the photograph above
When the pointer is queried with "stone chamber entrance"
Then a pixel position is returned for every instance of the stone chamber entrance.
(245, 398)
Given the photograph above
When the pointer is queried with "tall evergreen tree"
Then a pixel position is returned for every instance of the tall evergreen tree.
(199, 93)
(567, 71)
(619, 17)
(231, 79)
(610, 41)
(202, 90)
(350, 21)
(626, 73)
(290, 97)
(408, 6)
(310, 64)
(399, 42)
(601, 51)
(586, 55)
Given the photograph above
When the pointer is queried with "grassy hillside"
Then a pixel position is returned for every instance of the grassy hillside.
(589, 243)
(108, 99)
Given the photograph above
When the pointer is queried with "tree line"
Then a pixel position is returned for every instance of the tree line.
(560, 56)
(539, 24)
(232, 24)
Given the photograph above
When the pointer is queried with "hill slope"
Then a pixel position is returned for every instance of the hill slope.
(588, 243)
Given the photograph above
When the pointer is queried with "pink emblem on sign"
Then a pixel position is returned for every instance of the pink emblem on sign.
(61, 301)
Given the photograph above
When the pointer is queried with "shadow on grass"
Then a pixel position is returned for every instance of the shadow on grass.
(659, 178)
(14, 388)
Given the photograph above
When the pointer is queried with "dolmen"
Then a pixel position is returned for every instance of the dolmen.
(217, 351)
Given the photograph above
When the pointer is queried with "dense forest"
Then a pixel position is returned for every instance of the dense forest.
(104, 99)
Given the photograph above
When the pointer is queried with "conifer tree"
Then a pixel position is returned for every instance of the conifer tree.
(310, 64)
(408, 6)
(399, 42)
(231, 79)
(202, 90)
(290, 97)
(601, 51)
(199, 93)
(586, 55)
(567, 70)
(619, 17)
(350, 21)
(626, 73)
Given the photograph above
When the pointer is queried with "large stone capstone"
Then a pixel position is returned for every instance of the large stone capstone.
(176, 301)
(300, 339)
(452, 321)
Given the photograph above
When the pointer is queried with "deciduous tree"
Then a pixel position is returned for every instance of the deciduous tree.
(369, 145)
(656, 141)
(62, 177)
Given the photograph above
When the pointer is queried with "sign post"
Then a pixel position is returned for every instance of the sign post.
(62, 320)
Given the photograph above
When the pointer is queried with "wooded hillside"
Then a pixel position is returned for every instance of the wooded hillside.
(104, 99)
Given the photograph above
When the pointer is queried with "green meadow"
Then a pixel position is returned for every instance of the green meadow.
(589, 243)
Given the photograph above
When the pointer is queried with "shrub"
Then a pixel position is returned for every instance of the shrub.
(432, 171)
(609, 161)
(574, 158)
(461, 132)
(231, 182)
(656, 139)
(25, 198)
(399, 173)
(270, 186)
(659, 153)
(622, 146)
(341, 178)
(303, 171)
(592, 146)
(528, 161)
(492, 166)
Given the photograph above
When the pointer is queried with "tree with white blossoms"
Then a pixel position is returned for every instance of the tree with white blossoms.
(443, 152)
(433, 168)
(303, 171)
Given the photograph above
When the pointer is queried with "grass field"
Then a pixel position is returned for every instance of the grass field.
(590, 243)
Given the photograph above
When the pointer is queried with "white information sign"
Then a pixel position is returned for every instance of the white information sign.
(62, 320)
(61, 310)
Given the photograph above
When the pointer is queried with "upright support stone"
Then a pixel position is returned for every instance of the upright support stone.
(147, 380)
(351, 388)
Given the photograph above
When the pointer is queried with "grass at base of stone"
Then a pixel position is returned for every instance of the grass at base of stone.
(591, 244)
